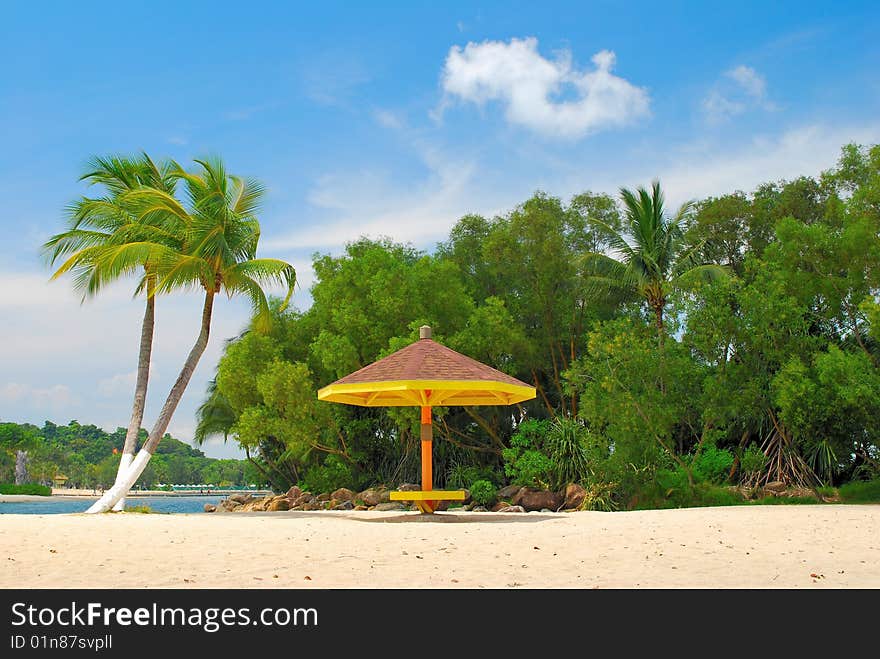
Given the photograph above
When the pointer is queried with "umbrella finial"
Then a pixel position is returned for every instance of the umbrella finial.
(425, 332)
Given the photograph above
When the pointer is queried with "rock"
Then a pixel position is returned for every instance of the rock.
(228, 505)
(324, 496)
(373, 497)
(479, 509)
(574, 496)
(512, 509)
(328, 505)
(210, 508)
(279, 503)
(388, 505)
(532, 499)
(467, 498)
(775, 487)
(293, 493)
(409, 487)
(509, 492)
(296, 508)
(240, 498)
(442, 506)
(303, 499)
(312, 505)
(359, 507)
(546, 510)
(499, 505)
(342, 494)
(345, 505)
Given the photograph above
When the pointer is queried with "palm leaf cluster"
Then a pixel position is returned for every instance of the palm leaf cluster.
(649, 257)
(207, 240)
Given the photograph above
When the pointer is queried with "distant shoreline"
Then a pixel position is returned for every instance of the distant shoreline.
(71, 493)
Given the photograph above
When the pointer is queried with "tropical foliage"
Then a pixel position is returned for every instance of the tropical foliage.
(767, 367)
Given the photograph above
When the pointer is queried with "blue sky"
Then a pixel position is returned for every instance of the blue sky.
(385, 119)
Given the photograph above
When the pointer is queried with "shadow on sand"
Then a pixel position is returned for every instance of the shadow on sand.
(413, 517)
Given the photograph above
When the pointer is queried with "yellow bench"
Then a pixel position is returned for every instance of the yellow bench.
(426, 500)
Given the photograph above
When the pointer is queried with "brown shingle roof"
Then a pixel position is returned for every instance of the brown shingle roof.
(427, 360)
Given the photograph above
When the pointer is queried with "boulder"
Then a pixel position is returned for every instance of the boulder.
(467, 497)
(279, 503)
(302, 499)
(389, 505)
(359, 507)
(210, 508)
(775, 487)
(509, 492)
(442, 505)
(373, 497)
(512, 509)
(345, 505)
(259, 504)
(293, 493)
(409, 487)
(329, 505)
(479, 509)
(324, 496)
(240, 498)
(229, 505)
(499, 505)
(342, 494)
(312, 505)
(574, 496)
(532, 499)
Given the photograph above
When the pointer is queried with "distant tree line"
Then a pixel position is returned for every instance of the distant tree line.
(85, 455)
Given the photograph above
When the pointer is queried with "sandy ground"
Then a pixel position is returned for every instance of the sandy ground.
(743, 546)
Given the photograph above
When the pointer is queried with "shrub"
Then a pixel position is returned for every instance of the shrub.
(28, 488)
(567, 451)
(525, 461)
(549, 454)
(712, 465)
(483, 492)
(332, 474)
(860, 491)
(460, 475)
(752, 460)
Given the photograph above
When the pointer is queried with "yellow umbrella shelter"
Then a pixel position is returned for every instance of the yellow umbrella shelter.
(426, 374)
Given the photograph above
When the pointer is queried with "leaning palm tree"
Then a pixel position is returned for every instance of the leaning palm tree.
(651, 257)
(98, 225)
(218, 255)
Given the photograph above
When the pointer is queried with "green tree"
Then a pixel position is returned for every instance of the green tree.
(221, 233)
(97, 227)
(654, 258)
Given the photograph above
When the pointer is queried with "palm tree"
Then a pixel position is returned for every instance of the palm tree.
(95, 227)
(218, 255)
(651, 256)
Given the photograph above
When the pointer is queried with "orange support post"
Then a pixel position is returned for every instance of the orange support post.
(427, 437)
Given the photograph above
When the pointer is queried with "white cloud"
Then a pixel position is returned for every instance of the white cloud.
(741, 88)
(720, 168)
(515, 74)
(371, 202)
(751, 82)
(55, 397)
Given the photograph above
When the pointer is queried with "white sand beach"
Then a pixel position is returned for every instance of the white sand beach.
(731, 547)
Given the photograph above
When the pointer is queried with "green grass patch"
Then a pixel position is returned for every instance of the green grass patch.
(784, 501)
(37, 490)
(860, 491)
(145, 510)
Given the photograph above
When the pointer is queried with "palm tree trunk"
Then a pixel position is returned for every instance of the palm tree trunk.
(121, 488)
(140, 387)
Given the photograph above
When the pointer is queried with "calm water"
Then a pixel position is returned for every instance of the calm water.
(54, 505)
